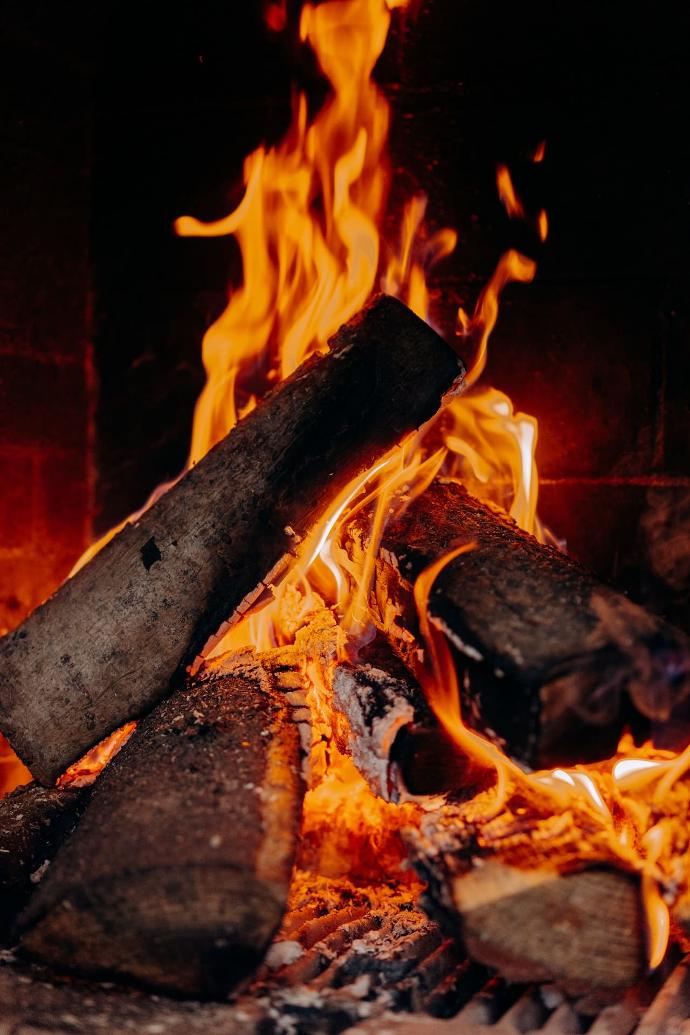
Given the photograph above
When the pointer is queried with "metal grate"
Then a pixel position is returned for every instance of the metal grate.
(389, 969)
(384, 970)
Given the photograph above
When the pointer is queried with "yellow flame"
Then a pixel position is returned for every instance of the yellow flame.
(506, 192)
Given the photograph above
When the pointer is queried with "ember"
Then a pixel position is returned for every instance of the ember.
(346, 710)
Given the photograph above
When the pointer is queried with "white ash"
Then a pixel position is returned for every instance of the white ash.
(281, 954)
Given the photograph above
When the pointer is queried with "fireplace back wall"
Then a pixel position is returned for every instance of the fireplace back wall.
(120, 120)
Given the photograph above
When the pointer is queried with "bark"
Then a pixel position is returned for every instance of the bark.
(177, 876)
(537, 897)
(557, 662)
(34, 821)
(390, 731)
(117, 636)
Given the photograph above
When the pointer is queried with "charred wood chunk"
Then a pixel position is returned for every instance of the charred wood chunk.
(34, 821)
(107, 646)
(389, 729)
(556, 662)
(531, 897)
(177, 876)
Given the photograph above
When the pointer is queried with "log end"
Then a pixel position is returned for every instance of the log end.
(582, 931)
(177, 876)
(34, 820)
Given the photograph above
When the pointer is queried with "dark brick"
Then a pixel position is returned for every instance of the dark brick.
(63, 501)
(676, 443)
(600, 523)
(584, 358)
(26, 578)
(635, 536)
(17, 498)
(44, 245)
(42, 404)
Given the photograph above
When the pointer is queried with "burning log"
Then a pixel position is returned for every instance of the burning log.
(537, 897)
(582, 931)
(114, 638)
(177, 875)
(34, 821)
(390, 730)
(556, 661)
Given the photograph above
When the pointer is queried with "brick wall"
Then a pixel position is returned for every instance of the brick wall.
(45, 302)
(598, 347)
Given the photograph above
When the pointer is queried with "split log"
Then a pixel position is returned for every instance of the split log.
(177, 876)
(117, 636)
(536, 897)
(34, 821)
(557, 662)
(582, 931)
(390, 731)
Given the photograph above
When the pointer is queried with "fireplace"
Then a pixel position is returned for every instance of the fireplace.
(122, 121)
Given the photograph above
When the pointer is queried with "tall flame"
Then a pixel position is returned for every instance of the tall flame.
(308, 230)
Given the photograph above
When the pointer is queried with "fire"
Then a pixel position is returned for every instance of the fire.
(621, 810)
(308, 228)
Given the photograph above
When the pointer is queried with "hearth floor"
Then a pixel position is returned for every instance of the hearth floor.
(384, 969)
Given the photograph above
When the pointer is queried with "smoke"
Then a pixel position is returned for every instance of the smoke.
(666, 527)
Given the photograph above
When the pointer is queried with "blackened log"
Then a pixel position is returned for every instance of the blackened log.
(114, 638)
(178, 873)
(390, 731)
(34, 821)
(557, 662)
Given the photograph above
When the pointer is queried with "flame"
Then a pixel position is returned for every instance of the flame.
(308, 230)
(620, 805)
(506, 193)
(306, 225)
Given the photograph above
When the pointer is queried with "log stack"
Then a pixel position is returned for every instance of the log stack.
(118, 636)
(556, 662)
(173, 871)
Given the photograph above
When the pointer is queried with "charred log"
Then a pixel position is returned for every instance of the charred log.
(557, 662)
(34, 821)
(177, 875)
(114, 638)
(390, 731)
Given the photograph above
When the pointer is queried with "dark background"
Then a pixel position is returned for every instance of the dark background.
(119, 119)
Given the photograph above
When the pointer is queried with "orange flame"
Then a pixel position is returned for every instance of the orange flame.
(632, 828)
(506, 192)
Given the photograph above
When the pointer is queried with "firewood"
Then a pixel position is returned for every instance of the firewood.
(581, 930)
(537, 896)
(390, 731)
(177, 876)
(116, 637)
(556, 662)
(34, 821)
